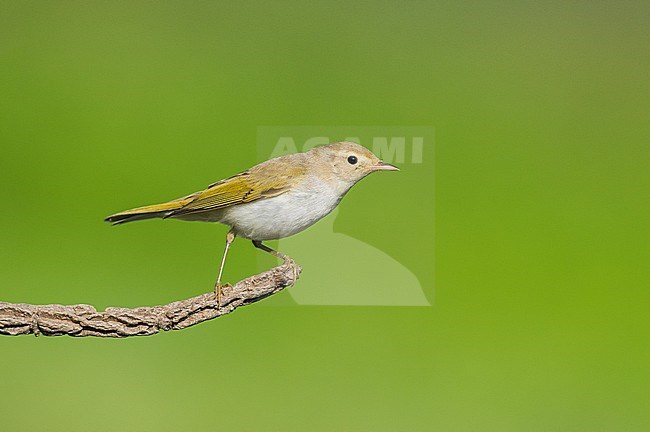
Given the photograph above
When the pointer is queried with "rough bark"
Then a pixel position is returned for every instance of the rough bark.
(84, 320)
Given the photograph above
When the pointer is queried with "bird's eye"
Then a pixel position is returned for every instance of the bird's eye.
(352, 160)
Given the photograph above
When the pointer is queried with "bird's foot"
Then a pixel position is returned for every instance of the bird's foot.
(294, 268)
(218, 290)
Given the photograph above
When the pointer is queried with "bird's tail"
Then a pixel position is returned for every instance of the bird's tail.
(163, 210)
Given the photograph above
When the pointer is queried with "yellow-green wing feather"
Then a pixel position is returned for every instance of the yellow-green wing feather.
(268, 179)
(257, 183)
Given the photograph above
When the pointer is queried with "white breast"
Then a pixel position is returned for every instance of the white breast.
(283, 215)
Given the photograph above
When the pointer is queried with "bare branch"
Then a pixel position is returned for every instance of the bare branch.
(84, 320)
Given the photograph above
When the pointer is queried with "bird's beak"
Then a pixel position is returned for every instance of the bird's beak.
(383, 166)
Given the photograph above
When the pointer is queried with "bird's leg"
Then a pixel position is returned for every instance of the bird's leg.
(286, 258)
(230, 237)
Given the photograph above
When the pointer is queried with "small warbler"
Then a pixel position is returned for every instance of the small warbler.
(272, 200)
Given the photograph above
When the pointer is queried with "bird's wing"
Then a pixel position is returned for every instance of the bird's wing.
(251, 185)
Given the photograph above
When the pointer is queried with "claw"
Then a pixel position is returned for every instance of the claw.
(218, 291)
(294, 269)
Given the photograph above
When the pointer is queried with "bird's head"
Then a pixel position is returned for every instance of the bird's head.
(347, 162)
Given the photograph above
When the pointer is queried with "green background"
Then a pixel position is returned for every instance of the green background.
(539, 316)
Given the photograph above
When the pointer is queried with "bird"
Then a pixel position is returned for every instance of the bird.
(272, 200)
